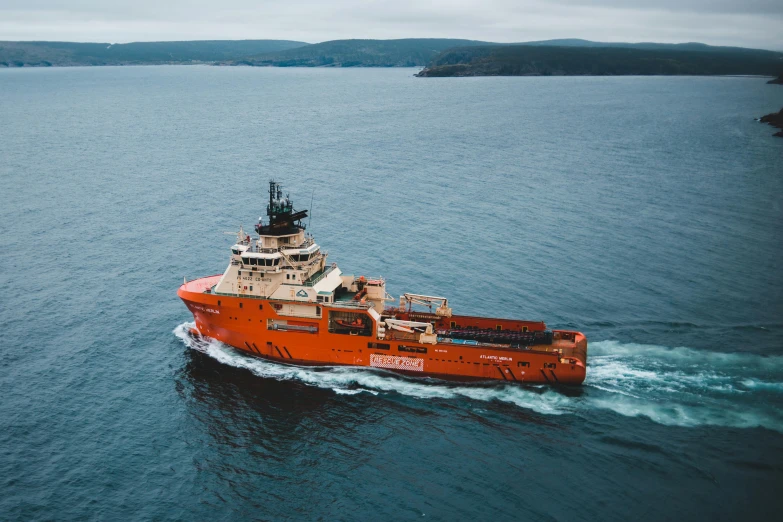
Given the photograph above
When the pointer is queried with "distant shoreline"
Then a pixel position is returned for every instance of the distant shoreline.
(437, 57)
(208, 64)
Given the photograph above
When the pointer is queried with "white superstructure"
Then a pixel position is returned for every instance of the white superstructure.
(283, 262)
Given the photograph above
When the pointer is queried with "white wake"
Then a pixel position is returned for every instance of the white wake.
(670, 386)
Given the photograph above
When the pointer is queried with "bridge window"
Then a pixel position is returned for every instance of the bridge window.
(245, 261)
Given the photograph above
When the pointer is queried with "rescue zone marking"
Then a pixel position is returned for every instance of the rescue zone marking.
(396, 362)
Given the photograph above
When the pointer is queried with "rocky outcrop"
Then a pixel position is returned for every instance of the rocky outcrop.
(776, 120)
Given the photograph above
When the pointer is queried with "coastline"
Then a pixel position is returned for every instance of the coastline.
(775, 119)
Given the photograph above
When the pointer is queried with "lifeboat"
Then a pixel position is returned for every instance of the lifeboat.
(353, 325)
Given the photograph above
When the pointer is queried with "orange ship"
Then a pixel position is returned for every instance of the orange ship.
(279, 299)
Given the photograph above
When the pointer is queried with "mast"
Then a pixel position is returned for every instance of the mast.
(272, 190)
(283, 219)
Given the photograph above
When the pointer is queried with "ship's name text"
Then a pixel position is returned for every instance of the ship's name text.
(204, 309)
(496, 357)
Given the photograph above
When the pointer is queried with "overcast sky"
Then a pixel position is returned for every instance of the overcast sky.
(748, 23)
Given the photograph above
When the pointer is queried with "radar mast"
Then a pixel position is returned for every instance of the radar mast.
(283, 218)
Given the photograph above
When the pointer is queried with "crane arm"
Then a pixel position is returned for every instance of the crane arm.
(406, 300)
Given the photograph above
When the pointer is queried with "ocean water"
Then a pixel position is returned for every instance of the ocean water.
(645, 212)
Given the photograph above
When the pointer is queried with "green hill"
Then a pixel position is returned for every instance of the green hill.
(634, 59)
(442, 56)
(409, 52)
(19, 54)
(688, 46)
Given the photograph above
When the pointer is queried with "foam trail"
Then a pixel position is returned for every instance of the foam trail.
(686, 356)
(670, 386)
(755, 384)
(686, 387)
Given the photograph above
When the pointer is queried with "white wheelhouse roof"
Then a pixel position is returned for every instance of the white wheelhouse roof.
(274, 255)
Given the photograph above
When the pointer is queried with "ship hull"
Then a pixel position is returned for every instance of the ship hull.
(253, 326)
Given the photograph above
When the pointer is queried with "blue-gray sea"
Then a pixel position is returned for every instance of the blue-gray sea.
(645, 211)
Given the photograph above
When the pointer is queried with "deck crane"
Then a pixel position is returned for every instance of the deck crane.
(424, 330)
(408, 300)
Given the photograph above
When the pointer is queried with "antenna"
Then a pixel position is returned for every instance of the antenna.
(310, 219)
(240, 235)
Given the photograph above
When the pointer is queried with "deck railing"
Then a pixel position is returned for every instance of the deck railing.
(314, 280)
(349, 304)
